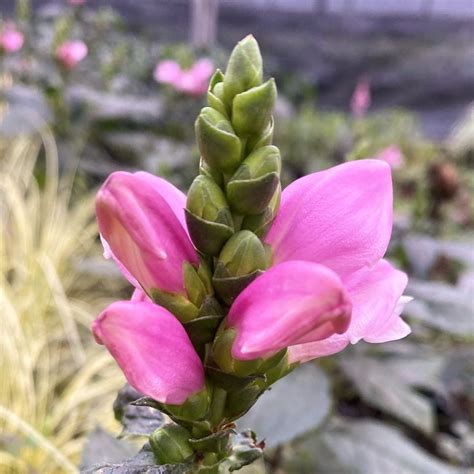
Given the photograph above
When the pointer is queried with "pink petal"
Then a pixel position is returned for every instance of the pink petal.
(340, 217)
(377, 300)
(139, 296)
(392, 155)
(375, 295)
(202, 69)
(167, 72)
(141, 218)
(361, 98)
(291, 303)
(152, 349)
(70, 53)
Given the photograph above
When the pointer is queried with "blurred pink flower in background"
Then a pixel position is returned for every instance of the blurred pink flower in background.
(76, 2)
(193, 81)
(361, 98)
(11, 39)
(70, 53)
(392, 155)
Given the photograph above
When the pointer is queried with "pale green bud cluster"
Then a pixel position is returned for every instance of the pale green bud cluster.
(232, 203)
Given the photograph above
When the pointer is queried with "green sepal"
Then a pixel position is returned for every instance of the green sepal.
(201, 331)
(218, 144)
(238, 403)
(170, 444)
(264, 139)
(230, 382)
(229, 288)
(195, 287)
(222, 356)
(177, 304)
(215, 93)
(260, 224)
(218, 442)
(252, 109)
(244, 69)
(195, 408)
(208, 237)
(214, 174)
(278, 370)
(251, 197)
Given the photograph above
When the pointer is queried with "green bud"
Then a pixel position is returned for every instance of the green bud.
(239, 403)
(264, 139)
(259, 224)
(214, 174)
(208, 216)
(241, 260)
(177, 304)
(253, 185)
(252, 109)
(215, 94)
(222, 355)
(170, 444)
(244, 69)
(218, 144)
(195, 408)
(242, 255)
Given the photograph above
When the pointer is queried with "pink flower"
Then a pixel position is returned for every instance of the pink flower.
(152, 349)
(361, 98)
(11, 39)
(142, 225)
(76, 2)
(70, 53)
(392, 155)
(193, 81)
(328, 240)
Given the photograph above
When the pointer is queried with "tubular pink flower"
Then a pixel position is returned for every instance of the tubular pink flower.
(70, 53)
(377, 302)
(141, 221)
(361, 98)
(292, 303)
(152, 349)
(11, 39)
(339, 220)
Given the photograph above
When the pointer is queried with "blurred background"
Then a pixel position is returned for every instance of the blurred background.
(88, 87)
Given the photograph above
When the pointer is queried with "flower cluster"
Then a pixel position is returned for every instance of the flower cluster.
(238, 282)
(192, 81)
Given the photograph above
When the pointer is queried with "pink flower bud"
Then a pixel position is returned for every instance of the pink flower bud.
(70, 53)
(361, 98)
(152, 349)
(11, 39)
(141, 221)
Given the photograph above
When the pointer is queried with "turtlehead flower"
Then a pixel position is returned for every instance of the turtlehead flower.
(142, 226)
(70, 53)
(152, 349)
(361, 98)
(392, 155)
(11, 39)
(329, 285)
(193, 81)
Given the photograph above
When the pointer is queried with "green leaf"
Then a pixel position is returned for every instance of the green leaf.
(381, 388)
(363, 447)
